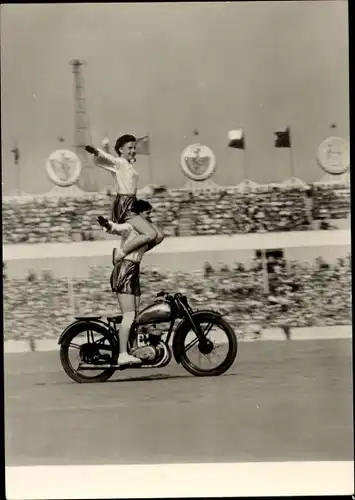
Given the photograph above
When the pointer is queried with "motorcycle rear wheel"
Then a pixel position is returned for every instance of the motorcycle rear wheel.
(78, 376)
(231, 341)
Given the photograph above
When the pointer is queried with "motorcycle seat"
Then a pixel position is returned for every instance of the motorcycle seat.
(115, 319)
(87, 318)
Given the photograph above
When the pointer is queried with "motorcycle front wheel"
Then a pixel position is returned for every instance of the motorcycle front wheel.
(221, 348)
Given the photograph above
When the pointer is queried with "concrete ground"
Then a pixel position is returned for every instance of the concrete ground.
(280, 401)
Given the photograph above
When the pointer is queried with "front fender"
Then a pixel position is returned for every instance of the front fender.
(184, 325)
(75, 324)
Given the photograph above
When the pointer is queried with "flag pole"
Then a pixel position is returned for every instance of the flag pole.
(292, 166)
(237, 141)
(16, 154)
(245, 156)
(18, 172)
(150, 163)
(283, 140)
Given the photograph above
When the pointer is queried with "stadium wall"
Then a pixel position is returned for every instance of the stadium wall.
(185, 244)
(175, 254)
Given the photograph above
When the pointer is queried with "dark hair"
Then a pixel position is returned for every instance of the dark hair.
(121, 141)
(141, 206)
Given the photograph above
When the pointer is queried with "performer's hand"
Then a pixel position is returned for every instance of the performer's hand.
(118, 255)
(91, 150)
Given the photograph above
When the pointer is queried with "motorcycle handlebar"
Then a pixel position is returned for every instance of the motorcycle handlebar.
(167, 295)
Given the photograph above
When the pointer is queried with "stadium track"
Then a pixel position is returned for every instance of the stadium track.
(281, 401)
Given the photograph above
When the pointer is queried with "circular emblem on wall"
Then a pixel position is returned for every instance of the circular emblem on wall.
(198, 162)
(334, 155)
(63, 167)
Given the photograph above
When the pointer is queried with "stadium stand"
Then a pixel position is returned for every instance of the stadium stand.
(301, 294)
(179, 212)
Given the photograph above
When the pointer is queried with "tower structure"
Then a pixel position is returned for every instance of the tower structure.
(82, 129)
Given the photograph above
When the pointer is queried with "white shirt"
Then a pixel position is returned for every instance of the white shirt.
(125, 177)
(128, 234)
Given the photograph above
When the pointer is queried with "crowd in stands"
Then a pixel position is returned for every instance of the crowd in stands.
(179, 212)
(299, 294)
(330, 202)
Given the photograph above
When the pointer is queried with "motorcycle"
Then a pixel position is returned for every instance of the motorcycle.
(100, 349)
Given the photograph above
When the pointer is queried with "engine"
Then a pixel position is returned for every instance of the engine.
(149, 347)
(147, 353)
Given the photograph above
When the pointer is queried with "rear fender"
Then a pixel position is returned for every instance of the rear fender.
(78, 323)
(184, 325)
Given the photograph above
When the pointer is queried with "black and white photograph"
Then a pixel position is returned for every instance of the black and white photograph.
(176, 224)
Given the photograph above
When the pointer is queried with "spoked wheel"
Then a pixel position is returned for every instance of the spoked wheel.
(216, 355)
(87, 346)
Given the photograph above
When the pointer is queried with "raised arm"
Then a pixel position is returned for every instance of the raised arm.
(102, 159)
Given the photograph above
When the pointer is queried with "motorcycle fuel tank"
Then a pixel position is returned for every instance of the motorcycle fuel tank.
(155, 313)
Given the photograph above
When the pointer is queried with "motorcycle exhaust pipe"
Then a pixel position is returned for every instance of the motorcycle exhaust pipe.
(106, 367)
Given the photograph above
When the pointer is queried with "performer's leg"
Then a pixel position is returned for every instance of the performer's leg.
(128, 308)
(147, 234)
(137, 303)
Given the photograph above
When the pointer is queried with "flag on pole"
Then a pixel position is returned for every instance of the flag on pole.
(236, 139)
(143, 146)
(283, 138)
(16, 153)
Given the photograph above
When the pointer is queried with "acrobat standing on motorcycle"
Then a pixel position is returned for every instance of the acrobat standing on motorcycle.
(125, 276)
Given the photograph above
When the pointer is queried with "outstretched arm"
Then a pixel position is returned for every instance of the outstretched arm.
(103, 159)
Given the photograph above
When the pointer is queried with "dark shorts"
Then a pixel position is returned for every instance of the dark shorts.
(121, 209)
(125, 278)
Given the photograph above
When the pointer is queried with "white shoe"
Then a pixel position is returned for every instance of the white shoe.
(127, 359)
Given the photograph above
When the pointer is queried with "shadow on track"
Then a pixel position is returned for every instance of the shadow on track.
(157, 377)
(147, 378)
